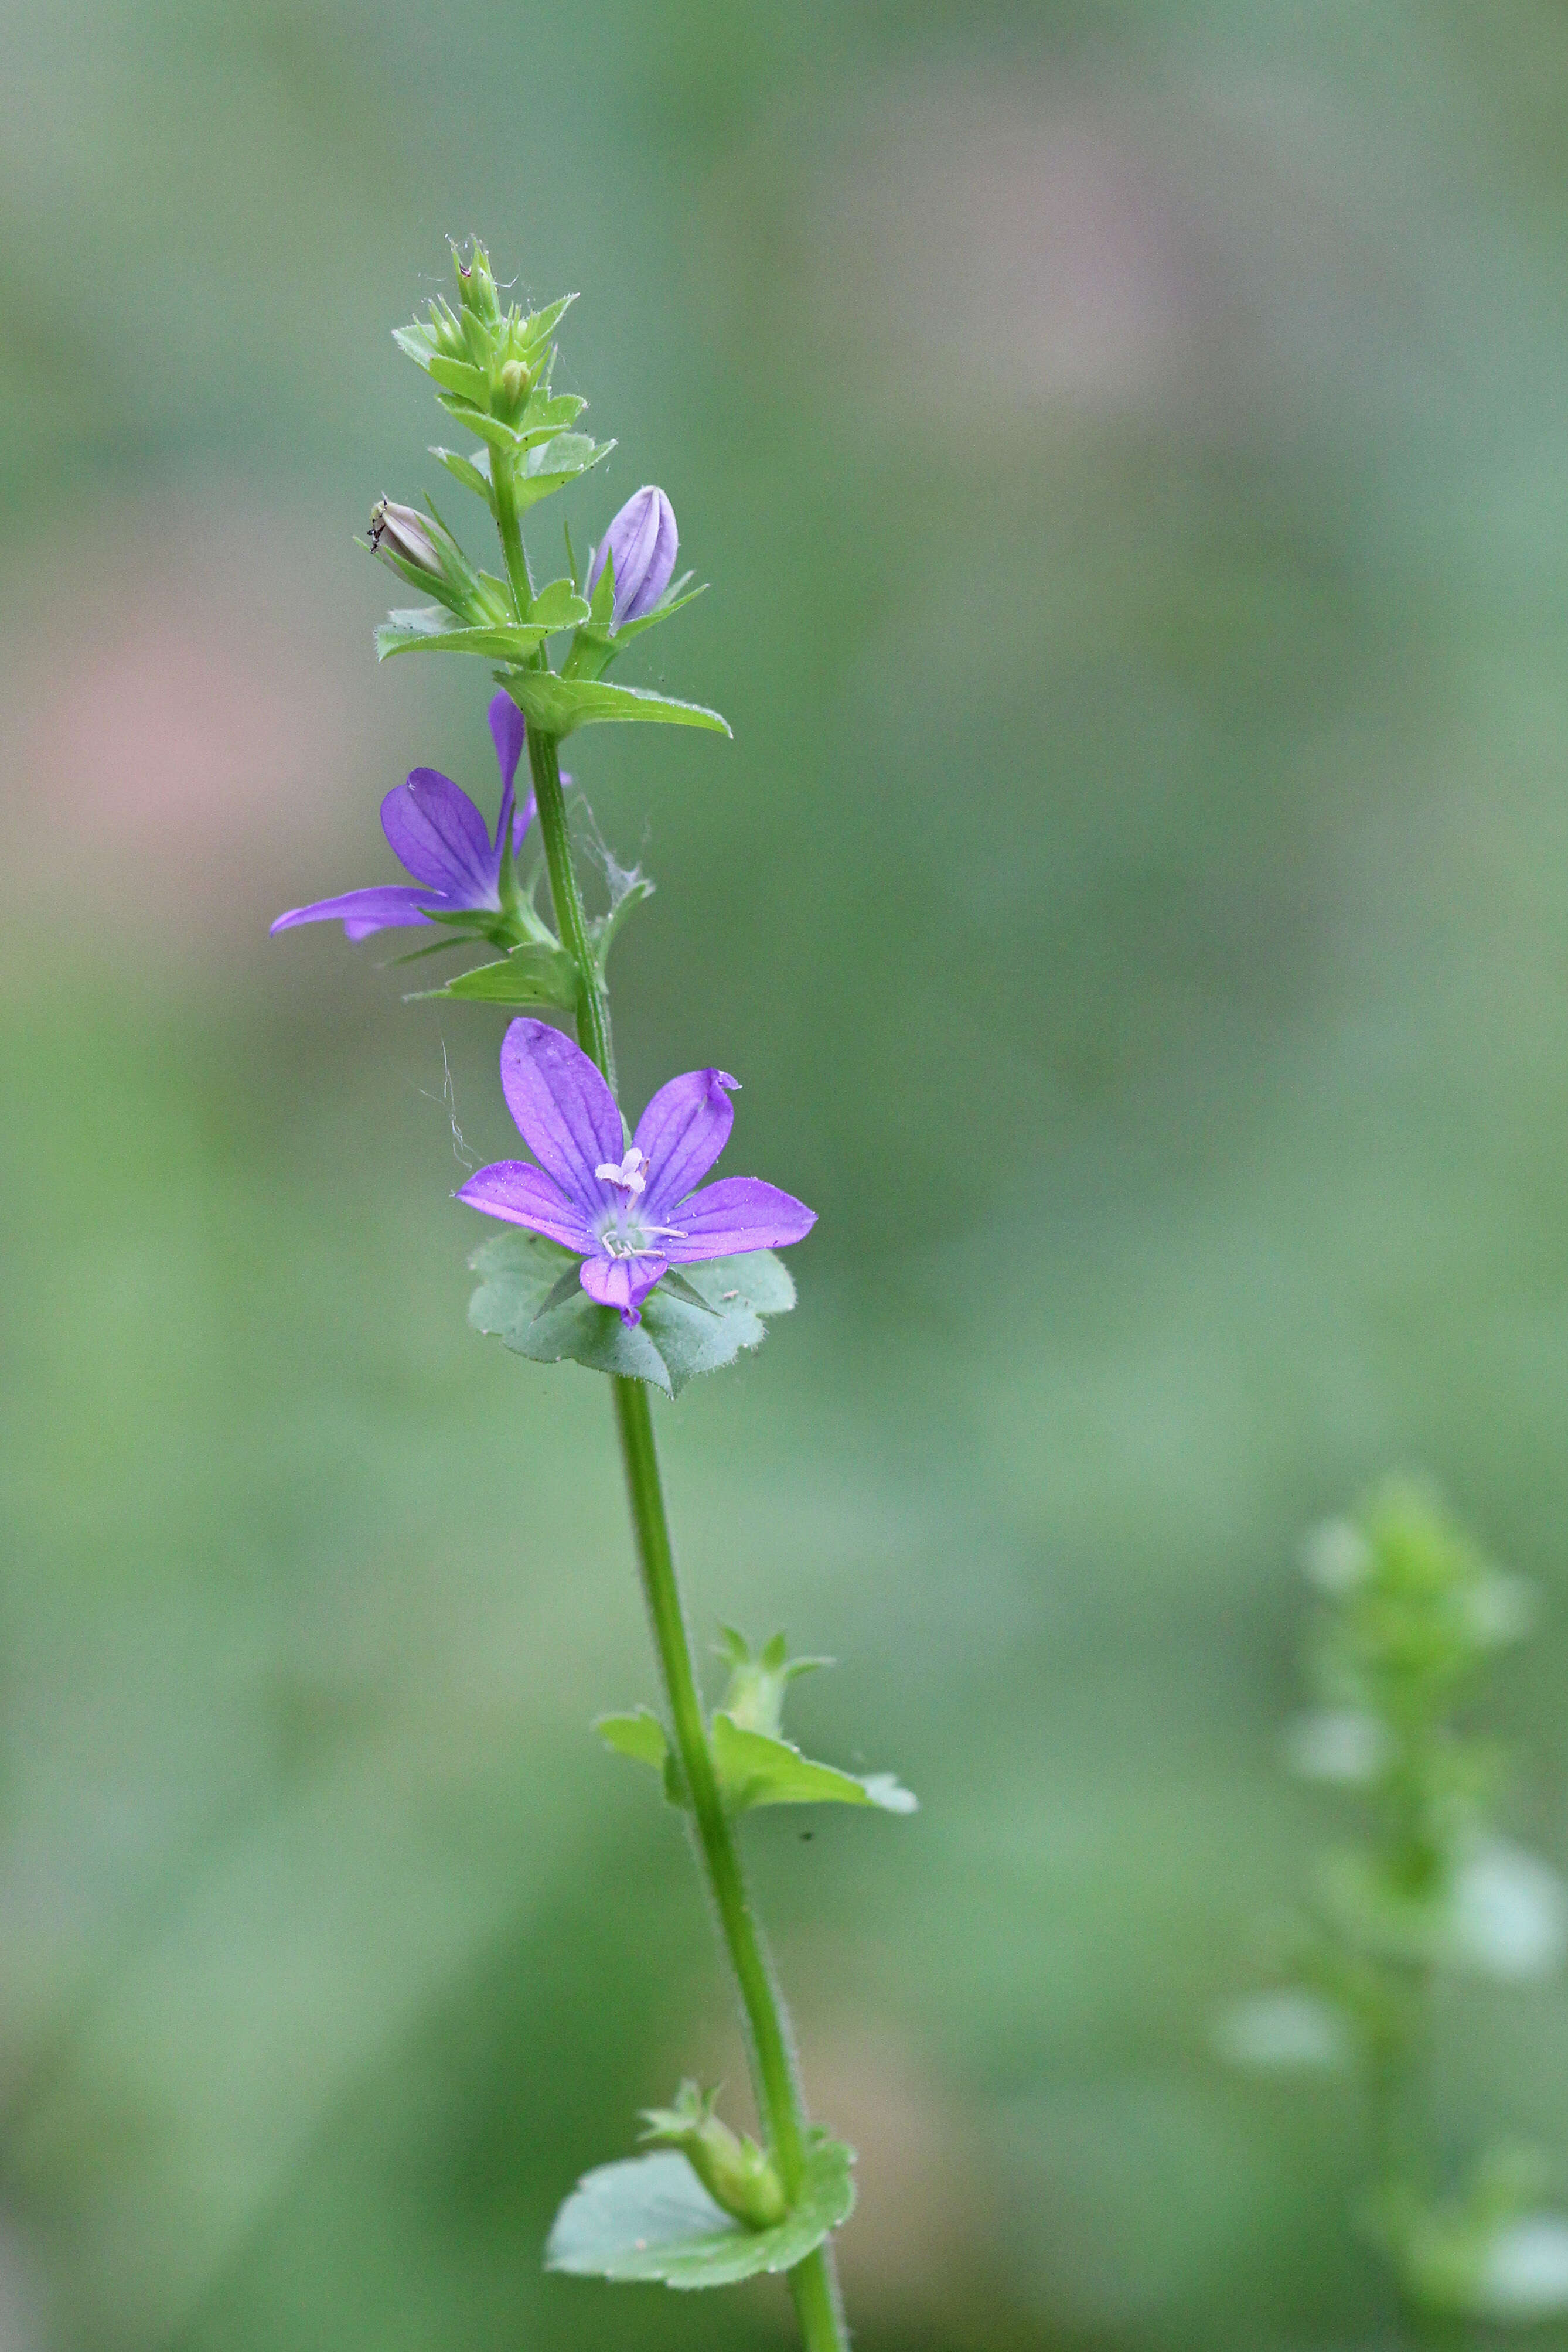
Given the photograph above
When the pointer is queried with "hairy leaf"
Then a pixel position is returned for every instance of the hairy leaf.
(673, 1343)
(650, 2217)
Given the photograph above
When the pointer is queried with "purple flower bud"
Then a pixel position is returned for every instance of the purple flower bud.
(643, 539)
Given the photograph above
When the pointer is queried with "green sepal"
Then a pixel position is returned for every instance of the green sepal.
(559, 706)
(737, 2173)
(626, 891)
(650, 2217)
(557, 606)
(673, 1343)
(755, 1695)
(427, 628)
(529, 975)
(596, 644)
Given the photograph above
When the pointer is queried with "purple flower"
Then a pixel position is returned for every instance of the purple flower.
(440, 836)
(643, 539)
(628, 1213)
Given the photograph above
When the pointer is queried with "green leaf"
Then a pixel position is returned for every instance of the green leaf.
(557, 606)
(479, 421)
(427, 629)
(539, 325)
(673, 1343)
(639, 1735)
(453, 375)
(529, 975)
(671, 602)
(559, 706)
(650, 2217)
(757, 1771)
(472, 476)
(546, 416)
(552, 463)
(417, 340)
(753, 1769)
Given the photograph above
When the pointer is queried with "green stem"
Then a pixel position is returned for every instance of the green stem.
(593, 1006)
(511, 529)
(812, 2282)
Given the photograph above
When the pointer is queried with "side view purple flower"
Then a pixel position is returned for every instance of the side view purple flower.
(441, 838)
(643, 542)
(630, 1213)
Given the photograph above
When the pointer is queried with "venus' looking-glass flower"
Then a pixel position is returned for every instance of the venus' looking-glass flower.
(643, 542)
(442, 839)
(630, 1214)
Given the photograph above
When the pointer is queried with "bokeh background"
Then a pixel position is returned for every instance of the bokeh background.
(1129, 445)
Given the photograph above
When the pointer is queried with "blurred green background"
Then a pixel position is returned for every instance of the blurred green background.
(1128, 443)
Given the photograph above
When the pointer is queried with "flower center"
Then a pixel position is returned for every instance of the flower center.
(619, 1231)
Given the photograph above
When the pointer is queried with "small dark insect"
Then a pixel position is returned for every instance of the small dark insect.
(806, 1836)
(377, 523)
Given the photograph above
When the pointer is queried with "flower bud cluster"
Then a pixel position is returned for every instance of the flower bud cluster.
(488, 360)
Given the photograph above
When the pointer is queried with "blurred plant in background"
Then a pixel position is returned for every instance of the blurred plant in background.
(1411, 1615)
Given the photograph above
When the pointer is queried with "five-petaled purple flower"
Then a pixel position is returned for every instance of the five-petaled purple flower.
(442, 839)
(628, 1213)
(644, 540)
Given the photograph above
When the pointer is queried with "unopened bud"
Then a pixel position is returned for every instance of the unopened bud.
(476, 286)
(406, 532)
(736, 2173)
(643, 541)
(516, 384)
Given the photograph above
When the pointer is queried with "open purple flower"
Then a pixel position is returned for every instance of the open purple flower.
(628, 1213)
(643, 542)
(442, 839)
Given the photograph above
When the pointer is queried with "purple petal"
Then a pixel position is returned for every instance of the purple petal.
(737, 1214)
(524, 1195)
(523, 818)
(441, 837)
(622, 1283)
(564, 1112)
(644, 540)
(363, 911)
(507, 731)
(683, 1130)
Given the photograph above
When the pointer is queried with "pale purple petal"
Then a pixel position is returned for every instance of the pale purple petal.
(683, 1130)
(521, 819)
(737, 1214)
(524, 1195)
(364, 912)
(564, 1112)
(644, 540)
(507, 731)
(622, 1283)
(441, 837)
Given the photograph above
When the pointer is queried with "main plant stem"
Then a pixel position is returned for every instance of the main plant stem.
(812, 2283)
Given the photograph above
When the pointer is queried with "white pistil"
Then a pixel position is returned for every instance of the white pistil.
(628, 1177)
